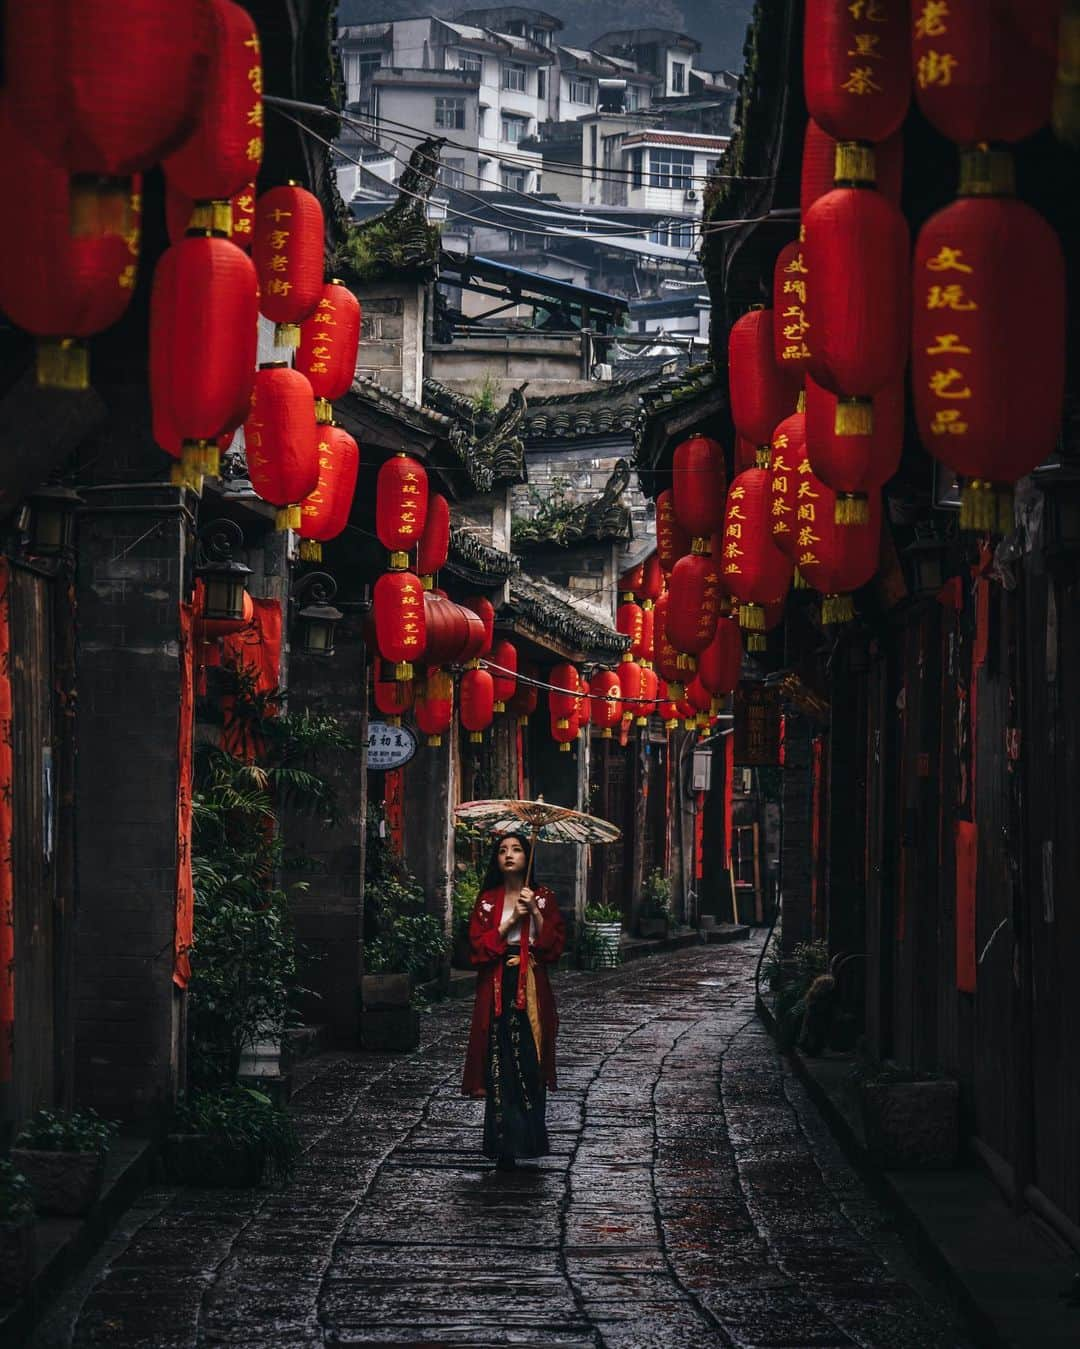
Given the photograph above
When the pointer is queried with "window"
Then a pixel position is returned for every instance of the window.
(515, 180)
(682, 235)
(514, 129)
(541, 84)
(671, 169)
(678, 77)
(541, 36)
(637, 168)
(471, 62)
(633, 98)
(658, 234)
(712, 167)
(581, 91)
(452, 173)
(593, 155)
(514, 77)
(450, 114)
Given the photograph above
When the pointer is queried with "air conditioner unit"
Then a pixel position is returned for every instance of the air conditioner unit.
(691, 195)
(602, 370)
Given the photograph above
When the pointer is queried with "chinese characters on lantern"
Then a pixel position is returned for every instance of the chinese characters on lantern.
(948, 381)
(791, 307)
(733, 527)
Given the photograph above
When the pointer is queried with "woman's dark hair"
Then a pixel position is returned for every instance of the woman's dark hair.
(493, 876)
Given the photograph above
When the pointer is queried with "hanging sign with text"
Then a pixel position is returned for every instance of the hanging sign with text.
(389, 746)
(757, 726)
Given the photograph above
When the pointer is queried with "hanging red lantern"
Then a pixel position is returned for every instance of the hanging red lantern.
(792, 501)
(668, 709)
(630, 621)
(446, 629)
(789, 328)
(485, 611)
(755, 571)
(562, 696)
(667, 656)
(828, 163)
(693, 606)
(856, 73)
(651, 688)
(526, 697)
(632, 689)
(745, 454)
(433, 547)
(223, 153)
(698, 696)
(288, 254)
(672, 541)
(647, 654)
(607, 705)
(400, 623)
(504, 657)
(854, 466)
(985, 72)
(762, 392)
(837, 559)
(325, 513)
(476, 703)
(401, 501)
(988, 346)
(564, 735)
(652, 581)
(329, 341)
(720, 664)
(60, 288)
(433, 705)
(281, 439)
(584, 705)
(699, 479)
(235, 218)
(392, 699)
(858, 301)
(630, 581)
(105, 88)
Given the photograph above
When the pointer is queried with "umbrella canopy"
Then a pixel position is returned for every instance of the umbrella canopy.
(547, 823)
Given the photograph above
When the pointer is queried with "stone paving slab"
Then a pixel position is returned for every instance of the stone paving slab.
(691, 1199)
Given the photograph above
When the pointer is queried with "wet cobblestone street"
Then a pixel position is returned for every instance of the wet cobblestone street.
(692, 1198)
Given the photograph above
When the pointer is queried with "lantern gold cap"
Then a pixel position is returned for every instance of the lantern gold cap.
(399, 560)
(854, 165)
(63, 363)
(324, 412)
(986, 173)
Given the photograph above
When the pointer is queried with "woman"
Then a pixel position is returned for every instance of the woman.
(514, 933)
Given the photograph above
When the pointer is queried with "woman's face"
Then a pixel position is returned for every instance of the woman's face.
(511, 856)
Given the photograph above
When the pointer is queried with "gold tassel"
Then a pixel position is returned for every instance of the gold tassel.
(63, 363)
(688, 723)
(757, 641)
(564, 748)
(310, 550)
(641, 721)
(763, 456)
(800, 402)
(1066, 115)
(476, 737)
(427, 582)
(714, 707)
(324, 412)
(752, 617)
(837, 609)
(854, 163)
(676, 691)
(399, 561)
(978, 505)
(524, 721)
(212, 461)
(986, 173)
(99, 206)
(283, 518)
(685, 662)
(434, 741)
(403, 672)
(500, 707)
(672, 725)
(852, 508)
(562, 723)
(798, 581)
(701, 546)
(286, 335)
(605, 734)
(393, 721)
(854, 417)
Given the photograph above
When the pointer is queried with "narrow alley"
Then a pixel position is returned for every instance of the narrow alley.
(693, 1197)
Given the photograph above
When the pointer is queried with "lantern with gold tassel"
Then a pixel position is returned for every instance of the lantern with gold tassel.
(607, 712)
(633, 689)
(288, 255)
(652, 581)
(647, 654)
(672, 541)
(584, 704)
(392, 699)
(836, 559)
(325, 513)
(856, 74)
(563, 695)
(988, 341)
(433, 705)
(476, 703)
(630, 581)
(792, 502)
(665, 653)
(828, 163)
(485, 611)
(281, 439)
(401, 502)
(503, 659)
(693, 606)
(434, 545)
(762, 390)
(183, 213)
(699, 478)
(329, 340)
(720, 664)
(630, 621)
(400, 621)
(755, 571)
(789, 327)
(855, 467)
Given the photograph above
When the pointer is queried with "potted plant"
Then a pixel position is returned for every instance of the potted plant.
(63, 1157)
(601, 935)
(911, 1120)
(16, 1232)
(234, 1136)
(408, 947)
(654, 915)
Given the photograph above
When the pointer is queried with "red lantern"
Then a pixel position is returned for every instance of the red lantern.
(693, 605)
(668, 709)
(720, 664)
(504, 656)
(827, 162)
(477, 703)
(857, 256)
(281, 438)
(325, 513)
(606, 714)
(667, 657)
(698, 696)
(793, 502)
(755, 571)
(392, 698)
(652, 581)
(223, 153)
(485, 611)
(584, 706)
(434, 545)
(562, 697)
(288, 253)
(106, 87)
(401, 499)
(854, 466)
(789, 327)
(761, 395)
(564, 735)
(203, 346)
(988, 345)
(633, 689)
(433, 708)
(58, 287)
(699, 479)
(400, 622)
(235, 218)
(477, 639)
(985, 72)
(856, 75)
(446, 629)
(746, 451)
(630, 621)
(329, 340)
(837, 559)
(651, 688)
(672, 541)
(630, 581)
(648, 634)
(527, 696)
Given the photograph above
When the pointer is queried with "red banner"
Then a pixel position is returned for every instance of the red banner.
(729, 798)
(967, 870)
(7, 911)
(185, 895)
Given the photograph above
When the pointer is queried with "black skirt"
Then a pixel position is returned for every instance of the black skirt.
(516, 1096)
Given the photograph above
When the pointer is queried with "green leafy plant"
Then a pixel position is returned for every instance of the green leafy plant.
(656, 895)
(409, 943)
(243, 1118)
(485, 400)
(16, 1194)
(791, 980)
(603, 913)
(79, 1131)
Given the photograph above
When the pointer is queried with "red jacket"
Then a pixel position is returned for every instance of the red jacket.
(489, 950)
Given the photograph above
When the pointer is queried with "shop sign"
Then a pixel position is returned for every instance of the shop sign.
(757, 726)
(389, 746)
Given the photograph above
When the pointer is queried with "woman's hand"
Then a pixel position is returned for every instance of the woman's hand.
(528, 898)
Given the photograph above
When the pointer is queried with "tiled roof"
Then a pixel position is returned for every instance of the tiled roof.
(676, 138)
(481, 557)
(609, 407)
(551, 609)
(371, 391)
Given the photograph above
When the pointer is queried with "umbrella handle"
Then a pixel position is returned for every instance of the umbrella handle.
(532, 854)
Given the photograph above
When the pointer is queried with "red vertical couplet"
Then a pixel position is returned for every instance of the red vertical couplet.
(967, 869)
(394, 810)
(699, 838)
(185, 894)
(7, 912)
(729, 799)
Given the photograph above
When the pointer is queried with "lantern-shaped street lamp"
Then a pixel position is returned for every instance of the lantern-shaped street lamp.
(224, 576)
(925, 561)
(318, 619)
(52, 520)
